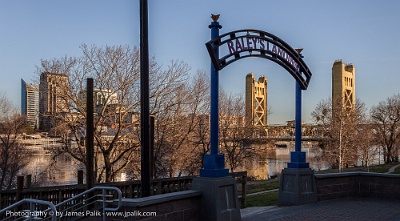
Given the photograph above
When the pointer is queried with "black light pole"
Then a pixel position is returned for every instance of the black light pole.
(89, 134)
(152, 169)
(144, 100)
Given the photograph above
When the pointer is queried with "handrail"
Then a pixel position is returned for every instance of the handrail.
(129, 189)
(31, 211)
(103, 188)
(82, 201)
(71, 204)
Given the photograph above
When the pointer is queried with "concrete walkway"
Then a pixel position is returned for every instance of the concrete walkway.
(357, 209)
(346, 209)
(261, 192)
(391, 169)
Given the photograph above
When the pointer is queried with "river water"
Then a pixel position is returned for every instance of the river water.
(46, 171)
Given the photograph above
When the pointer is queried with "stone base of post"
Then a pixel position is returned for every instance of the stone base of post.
(298, 160)
(214, 166)
(297, 186)
(219, 200)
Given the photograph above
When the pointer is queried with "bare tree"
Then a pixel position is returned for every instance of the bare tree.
(175, 152)
(117, 134)
(116, 74)
(13, 157)
(366, 147)
(233, 131)
(386, 122)
(199, 143)
(340, 126)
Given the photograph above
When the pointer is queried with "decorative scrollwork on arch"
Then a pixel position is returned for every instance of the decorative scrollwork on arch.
(254, 43)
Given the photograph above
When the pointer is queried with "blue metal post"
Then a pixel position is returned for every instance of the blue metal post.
(214, 163)
(214, 118)
(298, 119)
(298, 158)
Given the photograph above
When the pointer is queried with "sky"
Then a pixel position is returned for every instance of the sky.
(362, 32)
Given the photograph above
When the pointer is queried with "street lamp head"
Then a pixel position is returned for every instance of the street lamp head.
(215, 17)
(298, 50)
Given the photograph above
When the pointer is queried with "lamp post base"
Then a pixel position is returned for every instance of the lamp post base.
(214, 166)
(298, 160)
(219, 200)
(297, 186)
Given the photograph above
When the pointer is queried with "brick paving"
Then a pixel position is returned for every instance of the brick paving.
(363, 209)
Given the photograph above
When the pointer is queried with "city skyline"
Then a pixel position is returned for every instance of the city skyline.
(360, 32)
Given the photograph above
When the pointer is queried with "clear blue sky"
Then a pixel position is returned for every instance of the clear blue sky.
(363, 32)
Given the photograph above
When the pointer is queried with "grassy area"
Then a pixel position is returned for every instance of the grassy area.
(381, 168)
(262, 185)
(265, 199)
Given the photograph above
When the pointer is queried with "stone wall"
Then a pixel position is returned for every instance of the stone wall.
(380, 186)
(178, 206)
(357, 184)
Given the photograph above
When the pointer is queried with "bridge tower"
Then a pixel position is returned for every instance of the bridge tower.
(343, 85)
(256, 101)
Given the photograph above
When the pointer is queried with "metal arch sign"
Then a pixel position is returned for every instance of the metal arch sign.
(254, 43)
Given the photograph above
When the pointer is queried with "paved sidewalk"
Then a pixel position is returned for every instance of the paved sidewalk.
(262, 192)
(391, 169)
(358, 209)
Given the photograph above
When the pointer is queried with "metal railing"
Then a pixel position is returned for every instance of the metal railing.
(87, 203)
(35, 211)
(90, 202)
(129, 189)
(241, 180)
(53, 194)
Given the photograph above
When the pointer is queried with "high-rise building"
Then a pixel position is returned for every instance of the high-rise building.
(343, 85)
(101, 97)
(53, 98)
(30, 103)
(256, 101)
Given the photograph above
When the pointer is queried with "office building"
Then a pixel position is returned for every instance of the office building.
(30, 103)
(53, 98)
(100, 97)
